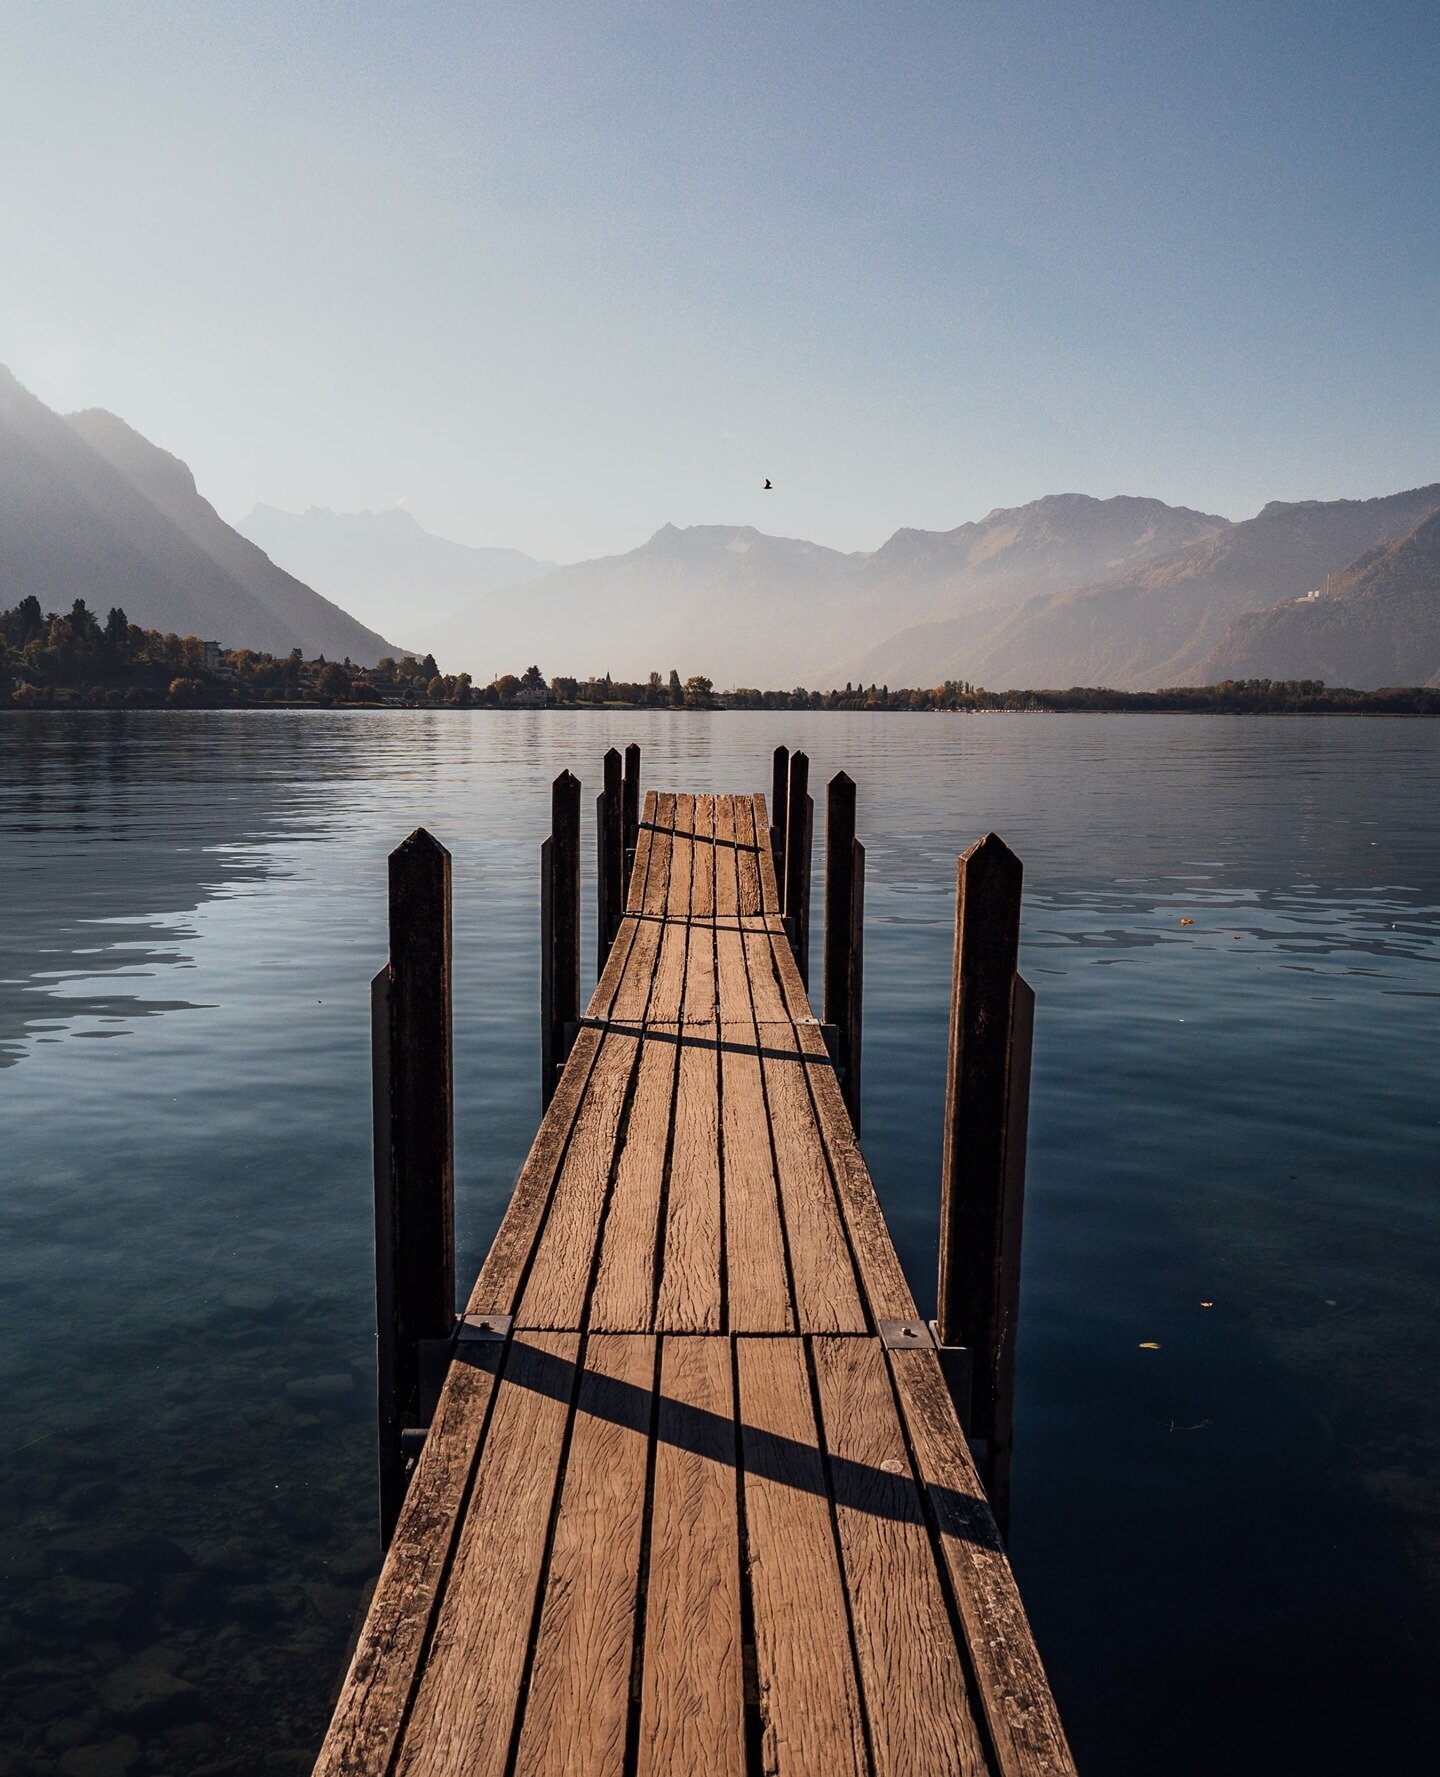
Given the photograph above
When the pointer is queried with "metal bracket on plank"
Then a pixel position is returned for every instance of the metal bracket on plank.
(956, 1361)
(435, 1355)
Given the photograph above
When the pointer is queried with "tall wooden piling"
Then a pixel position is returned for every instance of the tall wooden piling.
(414, 1145)
(630, 810)
(559, 930)
(609, 858)
(844, 934)
(983, 1160)
(779, 799)
(799, 841)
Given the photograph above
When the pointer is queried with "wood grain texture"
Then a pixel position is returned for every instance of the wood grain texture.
(765, 862)
(365, 1728)
(809, 1696)
(916, 1698)
(702, 894)
(465, 1707)
(578, 1697)
(757, 1276)
(624, 1294)
(1010, 1681)
(690, 1298)
(497, 1288)
(559, 1282)
(826, 1296)
(727, 881)
(660, 813)
(886, 1291)
(692, 1688)
(747, 857)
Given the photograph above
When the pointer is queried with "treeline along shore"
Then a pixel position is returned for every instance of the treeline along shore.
(73, 660)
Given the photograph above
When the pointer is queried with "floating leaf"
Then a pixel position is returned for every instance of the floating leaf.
(1149, 1345)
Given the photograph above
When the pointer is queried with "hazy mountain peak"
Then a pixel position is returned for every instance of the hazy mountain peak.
(385, 565)
(94, 510)
(149, 466)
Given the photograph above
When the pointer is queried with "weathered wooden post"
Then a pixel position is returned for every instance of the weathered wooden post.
(982, 1185)
(609, 859)
(779, 791)
(844, 934)
(631, 812)
(414, 1146)
(559, 930)
(799, 841)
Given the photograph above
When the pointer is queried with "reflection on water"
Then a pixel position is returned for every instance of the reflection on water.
(1227, 1543)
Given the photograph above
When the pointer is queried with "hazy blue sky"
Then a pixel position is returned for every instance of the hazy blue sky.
(559, 273)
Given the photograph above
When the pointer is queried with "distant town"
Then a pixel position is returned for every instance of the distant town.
(73, 660)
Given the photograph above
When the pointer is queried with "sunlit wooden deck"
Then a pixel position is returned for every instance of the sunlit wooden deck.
(690, 1503)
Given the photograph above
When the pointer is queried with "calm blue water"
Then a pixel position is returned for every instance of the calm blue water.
(1228, 1545)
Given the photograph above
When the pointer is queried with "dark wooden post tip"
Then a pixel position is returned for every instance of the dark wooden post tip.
(414, 1141)
(844, 890)
(796, 884)
(779, 797)
(560, 921)
(610, 857)
(420, 843)
(630, 812)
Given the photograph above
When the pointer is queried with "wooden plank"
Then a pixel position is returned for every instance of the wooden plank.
(366, 1724)
(578, 1695)
(765, 863)
(747, 842)
(660, 813)
(700, 958)
(702, 896)
(559, 1283)
(758, 1295)
(767, 998)
(624, 1294)
(682, 858)
(885, 1289)
(690, 1298)
(787, 971)
(1010, 1681)
(465, 1707)
(757, 1276)
(809, 1696)
(691, 1692)
(727, 891)
(497, 1288)
(826, 1296)
(916, 1698)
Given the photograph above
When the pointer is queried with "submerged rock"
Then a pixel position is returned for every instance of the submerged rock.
(144, 1690)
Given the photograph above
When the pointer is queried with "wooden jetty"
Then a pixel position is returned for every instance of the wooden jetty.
(684, 1489)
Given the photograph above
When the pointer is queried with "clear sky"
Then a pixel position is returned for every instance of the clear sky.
(556, 274)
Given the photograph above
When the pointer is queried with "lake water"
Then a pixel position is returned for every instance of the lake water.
(1228, 1545)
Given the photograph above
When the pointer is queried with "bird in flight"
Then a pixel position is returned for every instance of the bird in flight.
(767, 487)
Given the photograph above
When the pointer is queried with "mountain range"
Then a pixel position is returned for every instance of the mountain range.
(1125, 592)
(1376, 624)
(1068, 590)
(752, 609)
(90, 509)
(383, 566)
(1162, 621)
